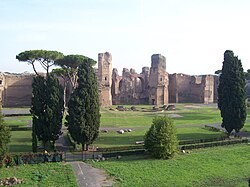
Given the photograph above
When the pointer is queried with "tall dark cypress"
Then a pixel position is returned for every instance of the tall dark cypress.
(83, 120)
(54, 108)
(47, 110)
(232, 93)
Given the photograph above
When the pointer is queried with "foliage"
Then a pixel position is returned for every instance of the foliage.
(203, 167)
(83, 120)
(232, 93)
(47, 109)
(247, 74)
(44, 57)
(70, 64)
(217, 72)
(4, 137)
(161, 140)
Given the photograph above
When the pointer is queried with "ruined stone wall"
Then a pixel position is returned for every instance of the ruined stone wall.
(16, 90)
(191, 89)
(216, 84)
(152, 86)
(104, 78)
(158, 81)
(130, 88)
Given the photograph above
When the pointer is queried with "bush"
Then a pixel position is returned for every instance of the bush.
(161, 140)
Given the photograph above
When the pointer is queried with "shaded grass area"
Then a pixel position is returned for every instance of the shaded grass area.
(48, 174)
(20, 141)
(221, 166)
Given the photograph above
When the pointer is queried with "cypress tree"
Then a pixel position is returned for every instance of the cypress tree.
(37, 110)
(47, 110)
(83, 118)
(232, 93)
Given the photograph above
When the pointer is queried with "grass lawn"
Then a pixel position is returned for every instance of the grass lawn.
(190, 114)
(17, 120)
(113, 139)
(20, 141)
(49, 174)
(221, 166)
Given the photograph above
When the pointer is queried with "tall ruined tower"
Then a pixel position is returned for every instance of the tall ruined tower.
(158, 81)
(104, 78)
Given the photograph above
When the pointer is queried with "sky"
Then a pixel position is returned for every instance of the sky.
(192, 34)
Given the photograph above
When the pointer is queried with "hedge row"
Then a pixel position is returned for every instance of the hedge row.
(124, 153)
(11, 115)
(122, 148)
(185, 142)
(31, 158)
(213, 144)
(17, 128)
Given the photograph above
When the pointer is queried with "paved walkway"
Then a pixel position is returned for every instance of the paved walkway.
(86, 175)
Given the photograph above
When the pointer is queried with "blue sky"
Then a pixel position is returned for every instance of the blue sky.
(191, 34)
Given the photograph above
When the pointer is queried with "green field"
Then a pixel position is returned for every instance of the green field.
(222, 166)
(42, 175)
(189, 120)
(20, 141)
(21, 121)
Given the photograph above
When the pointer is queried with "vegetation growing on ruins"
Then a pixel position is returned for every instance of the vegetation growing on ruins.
(232, 93)
(83, 120)
(161, 140)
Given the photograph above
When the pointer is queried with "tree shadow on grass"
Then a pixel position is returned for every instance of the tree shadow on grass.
(19, 148)
(21, 139)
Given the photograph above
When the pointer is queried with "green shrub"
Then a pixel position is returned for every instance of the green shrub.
(161, 140)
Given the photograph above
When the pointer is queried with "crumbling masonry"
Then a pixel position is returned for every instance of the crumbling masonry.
(152, 86)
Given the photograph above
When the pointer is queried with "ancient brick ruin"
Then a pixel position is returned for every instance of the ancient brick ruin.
(152, 86)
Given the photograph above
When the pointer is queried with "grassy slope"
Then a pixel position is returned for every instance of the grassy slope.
(53, 174)
(222, 166)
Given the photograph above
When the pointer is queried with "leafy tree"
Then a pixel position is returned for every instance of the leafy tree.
(70, 64)
(83, 118)
(161, 140)
(247, 74)
(44, 57)
(47, 110)
(232, 93)
(4, 137)
(217, 72)
(68, 72)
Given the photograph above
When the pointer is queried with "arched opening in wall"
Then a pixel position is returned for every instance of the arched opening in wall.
(105, 78)
(120, 85)
(113, 88)
(139, 86)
